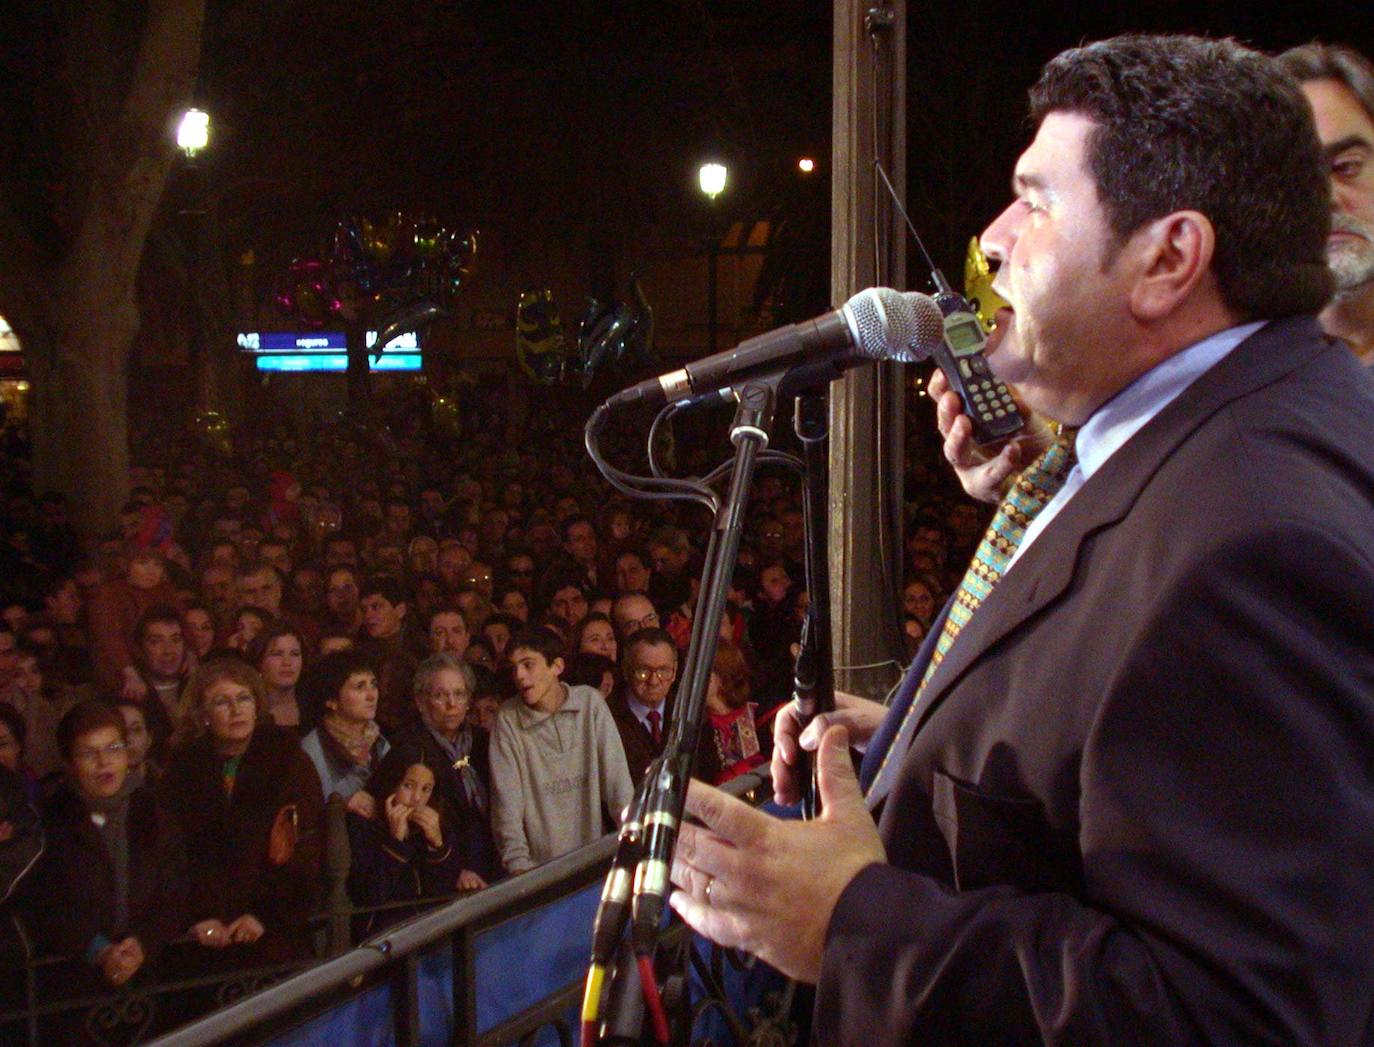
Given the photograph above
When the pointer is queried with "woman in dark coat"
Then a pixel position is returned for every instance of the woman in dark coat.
(250, 808)
(110, 888)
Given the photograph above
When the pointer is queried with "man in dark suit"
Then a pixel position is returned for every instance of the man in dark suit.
(1132, 801)
(640, 702)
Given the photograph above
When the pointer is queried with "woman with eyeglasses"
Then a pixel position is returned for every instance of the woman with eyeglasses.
(110, 889)
(250, 808)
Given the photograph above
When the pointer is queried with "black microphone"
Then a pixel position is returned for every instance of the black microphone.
(876, 324)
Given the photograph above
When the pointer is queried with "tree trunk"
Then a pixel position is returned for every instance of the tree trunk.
(80, 356)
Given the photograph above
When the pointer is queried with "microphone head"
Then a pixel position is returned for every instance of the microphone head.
(894, 325)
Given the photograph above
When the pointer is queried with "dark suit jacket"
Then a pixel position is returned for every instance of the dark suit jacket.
(640, 750)
(1138, 806)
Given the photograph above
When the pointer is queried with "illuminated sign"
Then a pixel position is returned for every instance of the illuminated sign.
(335, 362)
(325, 351)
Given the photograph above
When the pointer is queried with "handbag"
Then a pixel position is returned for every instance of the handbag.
(283, 836)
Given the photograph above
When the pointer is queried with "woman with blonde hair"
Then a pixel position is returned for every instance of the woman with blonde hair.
(250, 809)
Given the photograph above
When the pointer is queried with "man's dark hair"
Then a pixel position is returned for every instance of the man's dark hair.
(648, 637)
(387, 586)
(587, 668)
(543, 642)
(1205, 125)
(1317, 61)
(566, 526)
(158, 614)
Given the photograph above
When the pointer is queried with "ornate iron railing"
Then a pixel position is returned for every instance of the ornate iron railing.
(431, 976)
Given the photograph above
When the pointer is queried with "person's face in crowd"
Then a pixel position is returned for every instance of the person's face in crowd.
(444, 705)
(397, 520)
(454, 559)
(281, 663)
(536, 679)
(340, 552)
(231, 712)
(1347, 132)
(775, 582)
(25, 677)
(341, 595)
(569, 604)
(918, 600)
(136, 735)
(146, 571)
(10, 750)
(381, 617)
(415, 789)
(667, 562)
(333, 644)
(429, 593)
(599, 638)
(65, 605)
(481, 654)
(389, 559)
(474, 608)
(448, 633)
(261, 589)
(217, 587)
(520, 570)
(479, 576)
(565, 507)
(15, 615)
(498, 635)
(650, 670)
(494, 524)
(308, 588)
(164, 650)
(513, 603)
(276, 554)
(1053, 245)
(620, 526)
(198, 631)
(432, 499)
(513, 496)
(225, 554)
(581, 543)
(469, 539)
(770, 539)
(250, 541)
(423, 555)
(129, 524)
(542, 537)
(99, 763)
(632, 613)
(631, 573)
(236, 497)
(246, 628)
(356, 701)
(793, 533)
(371, 509)
(483, 713)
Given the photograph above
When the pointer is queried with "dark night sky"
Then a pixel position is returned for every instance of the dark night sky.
(585, 120)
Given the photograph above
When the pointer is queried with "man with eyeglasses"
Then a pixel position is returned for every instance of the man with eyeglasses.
(630, 613)
(642, 703)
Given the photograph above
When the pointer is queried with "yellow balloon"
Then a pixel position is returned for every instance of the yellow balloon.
(978, 286)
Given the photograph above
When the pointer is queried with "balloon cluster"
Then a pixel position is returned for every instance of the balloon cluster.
(393, 264)
(619, 335)
(978, 290)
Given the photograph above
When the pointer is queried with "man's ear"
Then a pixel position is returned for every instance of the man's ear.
(1176, 257)
(402, 608)
(558, 665)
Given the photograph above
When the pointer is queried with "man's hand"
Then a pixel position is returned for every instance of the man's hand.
(363, 804)
(859, 716)
(750, 881)
(470, 881)
(120, 962)
(247, 928)
(983, 478)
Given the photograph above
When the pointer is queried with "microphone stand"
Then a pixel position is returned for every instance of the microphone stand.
(814, 679)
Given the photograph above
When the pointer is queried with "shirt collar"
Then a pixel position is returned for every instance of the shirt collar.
(642, 711)
(1126, 413)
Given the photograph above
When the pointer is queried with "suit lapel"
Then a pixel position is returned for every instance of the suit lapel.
(1049, 566)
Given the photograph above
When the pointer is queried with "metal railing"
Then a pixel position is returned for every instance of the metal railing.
(279, 1004)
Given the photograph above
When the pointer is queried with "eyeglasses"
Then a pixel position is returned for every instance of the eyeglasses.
(91, 755)
(657, 675)
(521, 572)
(649, 621)
(448, 697)
(238, 701)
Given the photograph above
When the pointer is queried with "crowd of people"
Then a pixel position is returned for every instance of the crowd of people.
(474, 647)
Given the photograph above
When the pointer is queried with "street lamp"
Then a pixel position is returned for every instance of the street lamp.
(711, 177)
(193, 133)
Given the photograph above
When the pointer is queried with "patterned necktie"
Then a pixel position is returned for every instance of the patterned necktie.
(1030, 493)
(655, 728)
